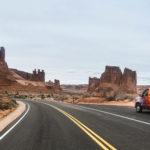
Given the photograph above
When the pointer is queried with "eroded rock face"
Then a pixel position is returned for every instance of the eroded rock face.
(114, 82)
(57, 84)
(6, 80)
(54, 86)
(2, 54)
(13, 80)
(5, 75)
(3, 64)
(129, 81)
(111, 75)
(37, 75)
(93, 84)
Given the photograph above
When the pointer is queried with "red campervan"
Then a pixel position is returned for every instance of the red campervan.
(143, 101)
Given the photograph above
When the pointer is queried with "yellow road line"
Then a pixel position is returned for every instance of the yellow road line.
(101, 139)
(96, 138)
(88, 133)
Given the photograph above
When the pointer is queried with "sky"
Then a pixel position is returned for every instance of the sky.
(74, 39)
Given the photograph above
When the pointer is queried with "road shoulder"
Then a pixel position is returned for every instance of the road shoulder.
(4, 122)
(125, 103)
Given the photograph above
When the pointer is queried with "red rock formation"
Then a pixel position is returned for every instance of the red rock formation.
(6, 80)
(93, 84)
(3, 64)
(111, 75)
(113, 82)
(10, 80)
(5, 76)
(35, 76)
(23, 74)
(38, 75)
(129, 81)
(2, 54)
(55, 86)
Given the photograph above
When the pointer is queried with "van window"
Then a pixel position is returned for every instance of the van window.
(145, 93)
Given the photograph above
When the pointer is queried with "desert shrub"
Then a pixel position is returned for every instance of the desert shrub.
(42, 96)
(8, 105)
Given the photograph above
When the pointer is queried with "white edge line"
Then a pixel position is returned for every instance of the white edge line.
(10, 129)
(108, 113)
(112, 114)
(116, 115)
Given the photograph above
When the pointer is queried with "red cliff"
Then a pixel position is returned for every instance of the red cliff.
(54, 86)
(93, 84)
(113, 82)
(37, 75)
(129, 81)
(6, 78)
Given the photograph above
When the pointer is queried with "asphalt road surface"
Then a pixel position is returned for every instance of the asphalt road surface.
(61, 126)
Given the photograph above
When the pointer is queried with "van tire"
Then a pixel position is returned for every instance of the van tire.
(138, 108)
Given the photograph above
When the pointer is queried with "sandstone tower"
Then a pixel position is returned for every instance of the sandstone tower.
(114, 81)
(3, 64)
(38, 75)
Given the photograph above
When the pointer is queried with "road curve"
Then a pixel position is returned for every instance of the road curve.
(47, 128)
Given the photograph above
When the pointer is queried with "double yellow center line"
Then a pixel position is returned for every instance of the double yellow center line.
(96, 138)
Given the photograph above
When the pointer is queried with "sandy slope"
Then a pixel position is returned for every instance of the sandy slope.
(22, 81)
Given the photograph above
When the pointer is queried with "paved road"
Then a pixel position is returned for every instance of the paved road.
(50, 127)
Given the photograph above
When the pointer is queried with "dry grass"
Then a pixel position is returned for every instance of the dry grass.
(4, 113)
(10, 115)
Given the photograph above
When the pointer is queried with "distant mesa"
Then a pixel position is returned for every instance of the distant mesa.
(113, 82)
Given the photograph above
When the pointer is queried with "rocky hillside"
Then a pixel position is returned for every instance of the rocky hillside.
(37, 75)
(16, 81)
(6, 78)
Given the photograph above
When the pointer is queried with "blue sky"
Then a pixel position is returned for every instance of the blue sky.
(75, 39)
